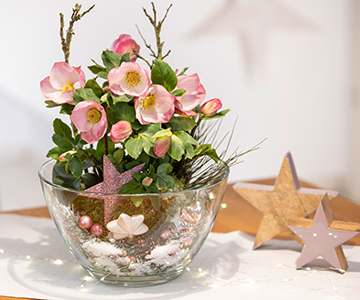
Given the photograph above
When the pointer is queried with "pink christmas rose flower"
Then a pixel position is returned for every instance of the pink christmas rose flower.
(162, 145)
(195, 93)
(89, 117)
(60, 85)
(125, 44)
(120, 131)
(210, 108)
(130, 79)
(155, 106)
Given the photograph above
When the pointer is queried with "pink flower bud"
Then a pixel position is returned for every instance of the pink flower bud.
(125, 44)
(210, 108)
(120, 131)
(147, 181)
(162, 145)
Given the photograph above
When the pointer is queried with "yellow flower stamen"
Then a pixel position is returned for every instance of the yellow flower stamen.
(132, 79)
(149, 102)
(66, 87)
(94, 115)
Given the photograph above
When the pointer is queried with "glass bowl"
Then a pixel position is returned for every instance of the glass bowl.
(143, 246)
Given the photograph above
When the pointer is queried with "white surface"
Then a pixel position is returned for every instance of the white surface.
(250, 274)
(301, 102)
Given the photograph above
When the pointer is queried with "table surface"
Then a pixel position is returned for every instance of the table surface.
(241, 215)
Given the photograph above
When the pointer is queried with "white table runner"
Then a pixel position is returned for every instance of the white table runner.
(229, 269)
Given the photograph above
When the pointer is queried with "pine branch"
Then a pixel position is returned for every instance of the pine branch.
(65, 41)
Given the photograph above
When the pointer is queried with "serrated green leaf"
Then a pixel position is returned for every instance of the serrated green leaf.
(181, 123)
(55, 152)
(150, 129)
(164, 168)
(122, 98)
(76, 167)
(127, 188)
(185, 137)
(164, 75)
(66, 109)
(162, 180)
(103, 74)
(110, 59)
(135, 146)
(85, 94)
(92, 84)
(120, 111)
(176, 150)
(162, 133)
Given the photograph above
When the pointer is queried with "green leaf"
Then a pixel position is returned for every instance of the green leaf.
(103, 74)
(155, 202)
(183, 71)
(182, 123)
(185, 137)
(120, 111)
(135, 146)
(176, 150)
(162, 74)
(164, 168)
(125, 58)
(65, 179)
(162, 133)
(162, 180)
(92, 84)
(150, 129)
(55, 152)
(118, 155)
(95, 69)
(66, 109)
(189, 150)
(63, 143)
(63, 130)
(212, 154)
(220, 114)
(178, 93)
(90, 179)
(122, 98)
(128, 188)
(136, 125)
(138, 200)
(100, 150)
(84, 94)
(51, 104)
(110, 59)
(76, 167)
(139, 176)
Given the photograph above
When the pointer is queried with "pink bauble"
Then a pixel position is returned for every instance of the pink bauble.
(85, 222)
(164, 234)
(97, 229)
(187, 242)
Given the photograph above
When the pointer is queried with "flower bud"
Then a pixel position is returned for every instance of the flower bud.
(210, 108)
(62, 156)
(162, 145)
(147, 181)
(125, 44)
(120, 131)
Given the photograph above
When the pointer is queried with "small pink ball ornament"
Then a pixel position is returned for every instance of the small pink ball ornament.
(85, 222)
(97, 229)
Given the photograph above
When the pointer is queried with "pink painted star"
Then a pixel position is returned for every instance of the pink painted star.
(113, 181)
(321, 240)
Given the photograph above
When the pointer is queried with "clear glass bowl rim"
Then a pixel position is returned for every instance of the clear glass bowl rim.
(226, 174)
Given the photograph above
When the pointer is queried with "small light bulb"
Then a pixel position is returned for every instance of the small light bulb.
(58, 262)
(200, 270)
(224, 205)
(27, 256)
(315, 234)
(1, 251)
(87, 278)
(215, 285)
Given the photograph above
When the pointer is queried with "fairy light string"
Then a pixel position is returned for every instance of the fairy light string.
(197, 271)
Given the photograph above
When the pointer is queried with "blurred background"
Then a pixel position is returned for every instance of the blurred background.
(287, 69)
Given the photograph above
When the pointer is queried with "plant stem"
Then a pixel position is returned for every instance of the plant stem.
(197, 125)
(105, 144)
(65, 42)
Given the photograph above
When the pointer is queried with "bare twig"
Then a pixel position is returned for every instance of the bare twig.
(157, 26)
(76, 16)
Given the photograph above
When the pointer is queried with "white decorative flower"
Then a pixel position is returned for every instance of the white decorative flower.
(126, 226)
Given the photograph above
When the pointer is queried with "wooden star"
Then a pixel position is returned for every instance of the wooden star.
(284, 200)
(112, 183)
(322, 240)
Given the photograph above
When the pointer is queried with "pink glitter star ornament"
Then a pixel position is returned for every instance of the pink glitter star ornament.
(320, 239)
(113, 181)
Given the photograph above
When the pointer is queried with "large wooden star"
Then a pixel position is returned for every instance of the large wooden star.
(112, 183)
(322, 240)
(284, 200)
